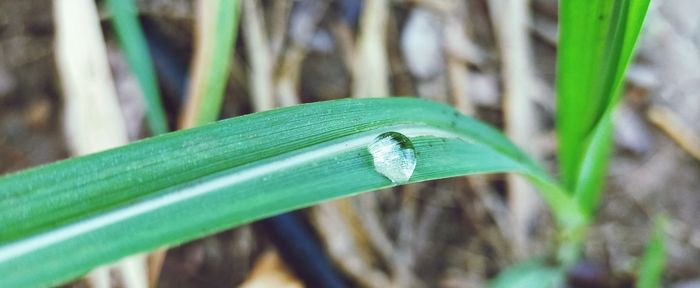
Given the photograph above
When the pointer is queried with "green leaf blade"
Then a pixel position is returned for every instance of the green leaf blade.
(225, 41)
(583, 27)
(596, 45)
(654, 259)
(187, 184)
(534, 273)
(210, 77)
(133, 41)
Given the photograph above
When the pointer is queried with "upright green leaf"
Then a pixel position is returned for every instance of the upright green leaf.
(654, 258)
(597, 38)
(132, 40)
(62, 219)
(217, 28)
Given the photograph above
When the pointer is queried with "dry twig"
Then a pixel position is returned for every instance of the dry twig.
(510, 19)
(258, 50)
(674, 127)
(94, 121)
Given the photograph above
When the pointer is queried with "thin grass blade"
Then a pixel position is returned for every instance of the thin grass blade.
(652, 266)
(133, 41)
(183, 185)
(217, 27)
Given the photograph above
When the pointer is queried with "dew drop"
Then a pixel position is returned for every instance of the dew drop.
(393, 156)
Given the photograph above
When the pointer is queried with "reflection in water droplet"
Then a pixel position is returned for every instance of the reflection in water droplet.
(394, 156)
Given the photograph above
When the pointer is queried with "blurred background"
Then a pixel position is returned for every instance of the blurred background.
(470, 54)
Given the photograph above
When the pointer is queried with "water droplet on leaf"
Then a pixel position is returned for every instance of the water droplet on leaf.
(393, 156)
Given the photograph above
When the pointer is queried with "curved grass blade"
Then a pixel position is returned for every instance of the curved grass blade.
(62, 219)
(132, 40)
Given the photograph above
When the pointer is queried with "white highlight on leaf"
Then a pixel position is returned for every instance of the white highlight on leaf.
(72, 230)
